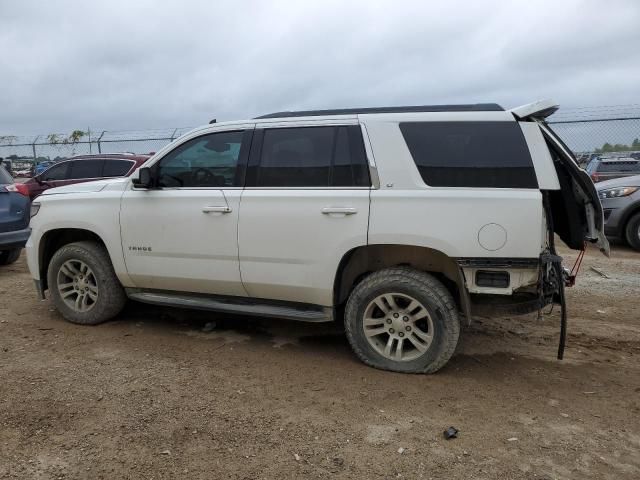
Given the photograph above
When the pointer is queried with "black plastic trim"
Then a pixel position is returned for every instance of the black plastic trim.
(237, 305)
(474, 107)
(479, 262)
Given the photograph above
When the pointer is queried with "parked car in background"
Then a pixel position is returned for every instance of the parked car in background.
(84, 168)
(14, 217)
(42, 166)
(620, 200)
(608, 168)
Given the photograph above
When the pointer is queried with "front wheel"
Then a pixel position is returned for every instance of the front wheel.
(402, 320)
(83, 284)
(633, 231)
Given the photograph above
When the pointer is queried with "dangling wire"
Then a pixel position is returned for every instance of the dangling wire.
(576, 266)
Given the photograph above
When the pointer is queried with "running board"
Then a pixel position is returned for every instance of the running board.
(236, 305)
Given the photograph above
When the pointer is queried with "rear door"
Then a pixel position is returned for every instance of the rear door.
(305, 204)
(577, 189)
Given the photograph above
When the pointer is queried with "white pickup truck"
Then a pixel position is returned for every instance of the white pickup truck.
(397, 221)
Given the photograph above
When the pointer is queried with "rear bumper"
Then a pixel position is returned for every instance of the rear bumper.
(15, 239)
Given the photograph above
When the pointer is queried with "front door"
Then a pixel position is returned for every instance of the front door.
(182, 235)
(305, 204)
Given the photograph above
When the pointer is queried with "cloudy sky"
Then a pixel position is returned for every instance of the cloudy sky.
(122, 64)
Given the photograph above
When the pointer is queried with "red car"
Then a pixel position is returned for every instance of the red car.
(84, 168)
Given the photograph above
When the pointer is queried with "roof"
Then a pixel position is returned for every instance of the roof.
(126, 156)
(474, 107)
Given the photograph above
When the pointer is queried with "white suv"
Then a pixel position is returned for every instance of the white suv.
(397, 221)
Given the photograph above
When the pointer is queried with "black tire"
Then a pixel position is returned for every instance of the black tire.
(424, 288)
(110, 294)
(7, 257)
(632, 232)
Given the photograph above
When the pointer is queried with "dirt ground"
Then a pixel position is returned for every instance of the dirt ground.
(152, 395)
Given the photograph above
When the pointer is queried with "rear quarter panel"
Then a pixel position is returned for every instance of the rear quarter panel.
(406, 211)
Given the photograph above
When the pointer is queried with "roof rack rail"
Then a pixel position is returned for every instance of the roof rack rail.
(473, 107)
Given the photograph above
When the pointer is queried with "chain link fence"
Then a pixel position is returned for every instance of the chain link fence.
(24, 151)
(611, 130)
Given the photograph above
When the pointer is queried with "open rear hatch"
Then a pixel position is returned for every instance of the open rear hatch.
(575, 208)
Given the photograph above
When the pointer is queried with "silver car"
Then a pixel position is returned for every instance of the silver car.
(620, 200)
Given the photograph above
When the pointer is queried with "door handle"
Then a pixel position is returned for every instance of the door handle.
(339, 210)
(216, 209)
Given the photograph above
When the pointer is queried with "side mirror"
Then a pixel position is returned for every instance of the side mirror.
(144, 180)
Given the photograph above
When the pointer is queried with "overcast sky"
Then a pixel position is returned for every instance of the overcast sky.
(123, 64)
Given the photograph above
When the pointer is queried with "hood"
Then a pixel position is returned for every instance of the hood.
(86, 187)
(633, 181)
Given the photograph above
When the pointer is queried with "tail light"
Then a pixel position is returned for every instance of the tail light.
(19, 188)
(595, 178)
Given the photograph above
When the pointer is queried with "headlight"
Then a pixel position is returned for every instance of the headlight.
(35, 208)
(617, 192)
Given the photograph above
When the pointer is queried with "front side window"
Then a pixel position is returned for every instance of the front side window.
(86, 169)
(57, 172)
(312, 157)
(470, 154)
(116, 168)
(207, 161)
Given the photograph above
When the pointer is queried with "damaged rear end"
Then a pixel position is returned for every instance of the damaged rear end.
(571, 204)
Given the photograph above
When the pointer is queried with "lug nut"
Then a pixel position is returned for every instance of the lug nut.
(401, 334)
(388, 320)
(391, 330)
(407, 328)
(396, 315)
(405, 318)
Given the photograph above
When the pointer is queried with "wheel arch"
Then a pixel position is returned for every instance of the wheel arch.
(365, 259)
(52, 240)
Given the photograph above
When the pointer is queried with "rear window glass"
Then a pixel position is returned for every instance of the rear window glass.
(5, 177)
(619, 167)
(470, 154)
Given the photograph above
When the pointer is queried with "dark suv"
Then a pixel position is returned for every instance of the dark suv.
(14, 217)
(608, 168)
(84, 169)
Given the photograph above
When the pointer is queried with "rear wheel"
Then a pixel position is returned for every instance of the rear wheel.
(83, 284)
(633, 231)
(402, 320)
(7, 257)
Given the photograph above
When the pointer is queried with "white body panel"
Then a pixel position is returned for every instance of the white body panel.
(449, 219)
(289, 249)
(95, 211)
(191, 250)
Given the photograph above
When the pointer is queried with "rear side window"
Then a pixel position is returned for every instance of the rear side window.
(86, 169)
(311, 157)
(619, 167)
(116, 168)
(470, 154)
